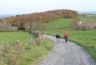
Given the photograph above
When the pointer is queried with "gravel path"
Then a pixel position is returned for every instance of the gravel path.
(67, 54)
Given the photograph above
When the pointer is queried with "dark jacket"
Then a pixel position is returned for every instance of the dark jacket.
(58, 36)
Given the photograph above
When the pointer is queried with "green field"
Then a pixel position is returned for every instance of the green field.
(58, 24)
(87, 39)
(24, 52)
(88, 18)
(11, 37)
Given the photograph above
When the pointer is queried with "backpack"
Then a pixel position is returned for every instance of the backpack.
(65, 35)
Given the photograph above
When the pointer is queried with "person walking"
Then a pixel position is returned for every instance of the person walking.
(66, 37)
(57, 36)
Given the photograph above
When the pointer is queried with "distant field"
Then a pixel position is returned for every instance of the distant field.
(11, 37)
(87, 39)
(59, 24)
(88, 18)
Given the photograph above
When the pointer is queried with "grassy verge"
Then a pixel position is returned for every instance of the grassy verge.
(24, 54)
(87, 39)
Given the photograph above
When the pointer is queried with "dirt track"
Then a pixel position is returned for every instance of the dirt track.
(67, 54)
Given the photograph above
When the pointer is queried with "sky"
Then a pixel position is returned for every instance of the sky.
(31, 6)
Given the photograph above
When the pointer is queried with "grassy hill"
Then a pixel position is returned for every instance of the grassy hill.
(27, 54)
(87, 39)
(59, 24)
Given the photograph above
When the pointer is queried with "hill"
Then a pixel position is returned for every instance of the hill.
(62, 23)
(25, 21)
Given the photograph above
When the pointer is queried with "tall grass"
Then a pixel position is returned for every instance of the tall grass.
(24, 54)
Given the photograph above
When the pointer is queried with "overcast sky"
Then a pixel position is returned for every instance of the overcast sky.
(30, 6)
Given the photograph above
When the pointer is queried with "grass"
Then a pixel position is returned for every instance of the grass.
(11, 37)
(19, 53)
(86, 39)
(26, 51)
(59, 24)
(88, 19)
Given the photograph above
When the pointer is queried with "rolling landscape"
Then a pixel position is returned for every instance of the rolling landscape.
(51, 32)
(20, 40)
